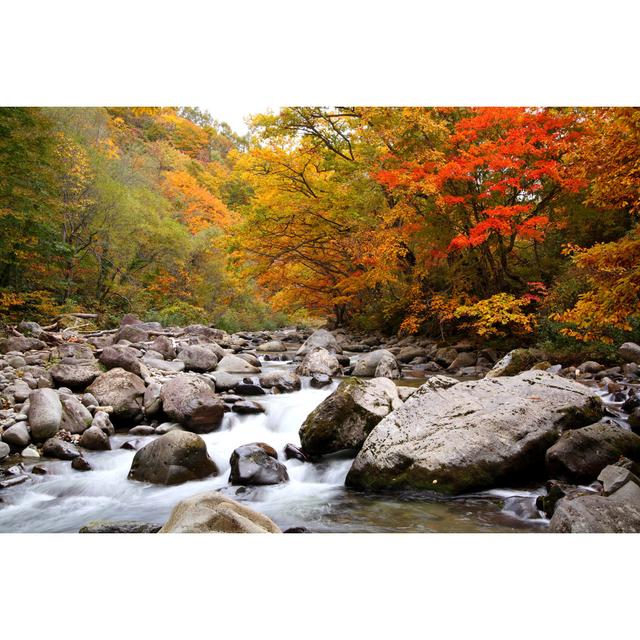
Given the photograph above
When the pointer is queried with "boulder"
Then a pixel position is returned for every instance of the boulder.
(515, 362)
(132, 333)
(345, 418)
(293, 452)
(283, 381)
(629, 352)
(407, 354)
(225, 381)
(198, 357)
(174, 458)
(320, 380)
(595, 514)
(464, 359)
(319, 361)
(473, 435)
(320, 339)
(367, 365)
(101, 421)
(75, 376)
(17, 343)
(17, 435)
(45, 413)
(256, 464)
(121, 390)
(581, 454)
(76, 418)
(234, 364)
(212, 512)
(190, 400)
(95, 439)
(164, 346)
(272, 346)
(61, 449)
(120, 356)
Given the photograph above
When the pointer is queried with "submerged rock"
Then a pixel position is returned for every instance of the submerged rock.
(211, 512)
(473, 435)
(347, 416)
(174, 458)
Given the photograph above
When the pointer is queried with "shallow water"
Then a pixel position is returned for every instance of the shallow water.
(315, 497)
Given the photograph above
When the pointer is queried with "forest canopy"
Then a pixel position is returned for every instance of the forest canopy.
(496, 222)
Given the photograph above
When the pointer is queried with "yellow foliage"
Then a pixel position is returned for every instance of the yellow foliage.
(498, 315)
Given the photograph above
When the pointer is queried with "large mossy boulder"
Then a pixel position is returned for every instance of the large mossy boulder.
(473, 435)
(345, 418)
(212, 512)
(190, 400)
(516, 362)
(174, 458)
(581, 454)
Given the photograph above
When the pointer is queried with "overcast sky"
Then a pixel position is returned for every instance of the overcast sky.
(233, 115)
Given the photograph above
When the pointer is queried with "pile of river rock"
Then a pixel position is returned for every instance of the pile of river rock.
(478, 422)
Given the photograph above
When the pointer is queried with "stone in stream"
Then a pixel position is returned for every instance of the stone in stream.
(595, 514)
(347, 416)
(515, 362)
(60, 449)
(581, 454)
(5, 450)
(190, 400)
(320, 380)
(120, 356)
(283, 381)
(17, 435)
(380, 364)
(142, 430)
(319, 361)
(407, 354)
(102, 421)
(119, 526)
(272, 346)
(212, 512)
(256, 464)
(80, 464)
(249, 389)
(473, 435)
(151, 399)
(174, 458)
(198, 357)
(121, 390)
(45, 413)
(246, 407)
(76, 418)
(320, 339)
(234, 364)
(95, 439)
(293, 452)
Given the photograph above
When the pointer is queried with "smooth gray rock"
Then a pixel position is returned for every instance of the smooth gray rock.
(61, 449)
(76, 418)
(121, 390)
(5, 450)
(173, 366)
(212, 512)
(75, 376)
(515, 362)
(345, 418)
(45, 413)
(614, 477)
(164, 346)
(122, 357)
(472, 435)
(102, 421)
(595, 514)
(174, 458)
(256, 464)
(151, 399)
(16, 343)
(234, 364)
(319, 361)
(95, 439)
(283, 381)
(17, 435)
(320, 339)
(367, 365)
(190, 400)
(198, 357)
(272, 346)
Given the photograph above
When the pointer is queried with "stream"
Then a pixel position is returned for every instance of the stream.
(64, 500)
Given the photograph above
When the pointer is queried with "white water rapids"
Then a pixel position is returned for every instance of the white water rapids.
(64, 500)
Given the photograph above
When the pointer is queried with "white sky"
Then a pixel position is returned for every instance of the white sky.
(234, 115)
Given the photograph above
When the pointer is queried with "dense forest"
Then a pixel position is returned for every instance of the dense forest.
(494, 222)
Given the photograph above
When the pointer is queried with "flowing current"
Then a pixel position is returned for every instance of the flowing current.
(315, 497)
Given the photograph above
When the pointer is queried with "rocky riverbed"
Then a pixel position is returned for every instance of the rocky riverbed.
(146, 428)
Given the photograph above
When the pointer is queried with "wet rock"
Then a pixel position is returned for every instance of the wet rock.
(320, 339)
(319, 361)
(255, 464)
(283, 381)
(212, 512)
(76, 418)
(246, 407)
(132, 445)
(17, 435)
(556, 491)
(75, 376)
(580, 454)
(629, 352)
(174, 458)
(166, 427)
(45, 413)
(121, 390)
(614, 477)
(523, 507)
(249, 389)
(80, 464)
(234, 364)
(40, 470)
(142, 430)
(119, 526)
(293, 452)
(198, 358)
(191, 401)
(595, 514)
(95, 439)
(101, 421)
(634, 420)
(122, 357)
(347, 416)
(60, 449)
(320, 380)
(297, 530)
(515, 362)
(473, 435)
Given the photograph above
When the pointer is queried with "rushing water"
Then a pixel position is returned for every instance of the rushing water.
(64, 500)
